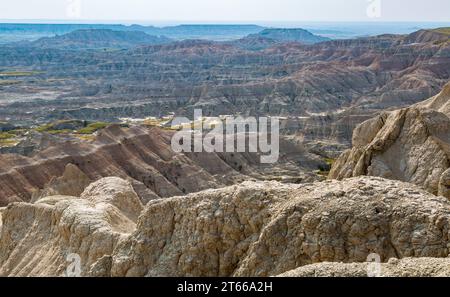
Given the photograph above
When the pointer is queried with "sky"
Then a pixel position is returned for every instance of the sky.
(227, 10)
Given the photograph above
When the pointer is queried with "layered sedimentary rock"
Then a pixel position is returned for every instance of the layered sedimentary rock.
(408, 267)
(270, 37)
(71, 183)
(253, 229)
(437, 36)
(341, 79)
(411, 144)
(144, 156)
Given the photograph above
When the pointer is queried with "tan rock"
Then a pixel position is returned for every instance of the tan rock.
(262, 229)
(411, 144)
(444, 184)
(116, 192)
(252, 229)
(2, 209)
(37, 239)
(71, 183)
(407, 267)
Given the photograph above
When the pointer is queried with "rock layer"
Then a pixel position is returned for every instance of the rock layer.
(71, 183)
(144, 156)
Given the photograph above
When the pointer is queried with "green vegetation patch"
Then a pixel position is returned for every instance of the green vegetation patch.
(71, 126)
(443, 30)
(44, 128)
(92, 128)
(6, 135)
(8, 142)
(325, 170)
(330, 161)
(55, 132)
(19, 73)
(8, 82)
(8, 139)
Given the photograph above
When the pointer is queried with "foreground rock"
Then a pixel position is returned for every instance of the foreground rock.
(1, 221)
(408, 267)
(253, 229)
(37, 239)
(411, 144)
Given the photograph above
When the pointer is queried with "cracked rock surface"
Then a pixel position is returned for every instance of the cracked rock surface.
(251, 229)
(407, 267)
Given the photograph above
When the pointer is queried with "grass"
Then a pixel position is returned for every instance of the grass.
(6, 135)
(7, 139)
(56, 132)
(48, 128)
(153, 122)
(326, 171)
(86, 137)
(12, 138)
(19, 73)
(8, 82)
(44, 128)
(330, 161)
(8, 142)
(443, 30)
(89, 129)
(92, 128)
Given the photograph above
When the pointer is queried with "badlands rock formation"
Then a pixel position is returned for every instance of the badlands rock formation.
(252, 229)
(411, 144)
(144, 156)
(71, 183)
(407, 267)
(36, 238)
(357, 76)
(98, 39)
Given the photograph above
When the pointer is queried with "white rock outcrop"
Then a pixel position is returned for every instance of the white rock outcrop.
(411, 144)
(37, 239)
(253, 229)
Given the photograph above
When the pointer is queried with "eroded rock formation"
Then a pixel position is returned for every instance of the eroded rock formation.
(252, 229)
(144, 156)
(411, 144)
(37, 238)
(407, 267)
(71, 183)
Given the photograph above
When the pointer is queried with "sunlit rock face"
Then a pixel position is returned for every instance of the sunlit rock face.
(251, 229)
(411, 144)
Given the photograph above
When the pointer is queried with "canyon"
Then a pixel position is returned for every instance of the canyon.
(88, 172)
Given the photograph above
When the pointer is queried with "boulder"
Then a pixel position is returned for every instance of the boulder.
(43, 239)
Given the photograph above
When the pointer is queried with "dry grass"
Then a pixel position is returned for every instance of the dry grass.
(18, 73)
(443, 30)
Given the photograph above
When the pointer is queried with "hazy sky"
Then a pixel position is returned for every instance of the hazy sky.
(228, 10)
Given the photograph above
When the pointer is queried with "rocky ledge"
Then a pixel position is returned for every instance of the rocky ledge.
(251, 229)
(410, 144)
